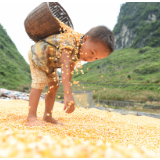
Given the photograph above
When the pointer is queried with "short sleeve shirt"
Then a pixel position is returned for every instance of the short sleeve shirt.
(47, 57)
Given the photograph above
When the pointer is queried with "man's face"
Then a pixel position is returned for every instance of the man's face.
(92, 50)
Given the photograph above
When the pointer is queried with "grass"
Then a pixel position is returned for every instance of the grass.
(103, 92)
(14, 70)
(114, 93)
(128, 74)
(124, 63)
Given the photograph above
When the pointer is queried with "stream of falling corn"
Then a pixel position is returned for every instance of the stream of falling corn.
(85, 133)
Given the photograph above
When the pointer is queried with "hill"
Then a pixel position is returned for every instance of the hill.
(127, 74)
(137, 65)
(138, 25)
(14, 70)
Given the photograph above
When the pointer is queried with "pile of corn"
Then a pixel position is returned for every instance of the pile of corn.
(85, 133)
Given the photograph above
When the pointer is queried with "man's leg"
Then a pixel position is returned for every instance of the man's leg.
(33, 104)
(49, 103)
(39, 81)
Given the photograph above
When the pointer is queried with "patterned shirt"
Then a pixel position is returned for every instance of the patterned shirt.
(47, 57)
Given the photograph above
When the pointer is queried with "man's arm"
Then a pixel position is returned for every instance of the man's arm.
(72, 69)
(66, 69)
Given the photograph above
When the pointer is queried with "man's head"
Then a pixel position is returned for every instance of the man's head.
(98, 44)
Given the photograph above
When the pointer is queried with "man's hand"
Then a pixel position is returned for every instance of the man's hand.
(69, 104)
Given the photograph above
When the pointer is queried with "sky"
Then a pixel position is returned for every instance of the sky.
(84, 15)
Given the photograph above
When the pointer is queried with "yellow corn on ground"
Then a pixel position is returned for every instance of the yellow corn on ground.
(85, 133)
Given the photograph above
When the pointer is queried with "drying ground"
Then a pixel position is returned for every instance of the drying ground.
(85, 133)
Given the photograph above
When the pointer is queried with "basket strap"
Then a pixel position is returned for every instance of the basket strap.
(46, 42)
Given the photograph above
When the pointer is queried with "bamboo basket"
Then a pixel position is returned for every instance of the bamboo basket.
(41, 21)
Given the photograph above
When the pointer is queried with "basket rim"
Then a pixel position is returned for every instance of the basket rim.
(64, 11)
(47, 3)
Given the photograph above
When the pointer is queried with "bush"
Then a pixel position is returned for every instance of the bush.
(147, 81)
(129, 76)
(98, 67)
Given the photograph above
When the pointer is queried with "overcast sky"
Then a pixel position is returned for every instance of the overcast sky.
(84, 15)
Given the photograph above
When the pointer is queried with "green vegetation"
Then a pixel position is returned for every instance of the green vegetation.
(107, 92)
(138, 65)
(135, 15)
(14, 70)
(128, 74)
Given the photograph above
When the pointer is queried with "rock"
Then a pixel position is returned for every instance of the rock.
(125, 38)
(148, 114)
(25, 88)
(121, 111)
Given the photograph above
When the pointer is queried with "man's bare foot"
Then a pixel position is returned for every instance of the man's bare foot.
(33, 121)
(49, 118)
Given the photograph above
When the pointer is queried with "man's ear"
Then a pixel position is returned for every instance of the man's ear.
(85, 38)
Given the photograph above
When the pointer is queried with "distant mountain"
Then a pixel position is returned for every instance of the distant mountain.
(138, 25)
(14, 70)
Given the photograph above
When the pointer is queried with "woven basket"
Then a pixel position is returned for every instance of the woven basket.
(41, 21)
